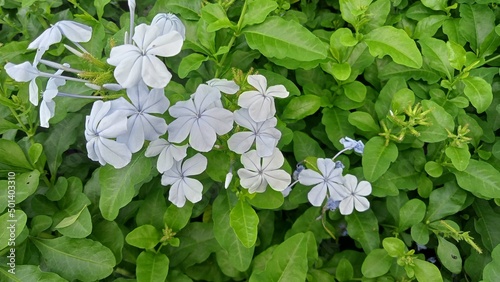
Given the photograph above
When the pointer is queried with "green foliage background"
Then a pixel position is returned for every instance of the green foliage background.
(417, 81)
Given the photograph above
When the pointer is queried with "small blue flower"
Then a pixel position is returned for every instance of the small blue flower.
(331, 204)
(351, 144)
(298, 169)
(339, 164)
(432, 260)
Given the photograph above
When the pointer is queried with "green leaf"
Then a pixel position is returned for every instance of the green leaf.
(340, 71)
(459, 156)
(190, 63)
(307, 222)
(440, 121)
(344, 271)
(99, 6)
(12, 155)
(388, 40)
(304, 146)
(176, 218)
(479, 92)
(336, 125)
(363, 227)
(270, 199)
(11, 223)
(59, 189)
(301, 107)
(33, 273)
(26, 185)
(401, 100)
(476, 22)
(456, 55)
(376, 15)
(257, 11)
(394, 247)
(215, 15)
(144, 237)
(189, 10)
(491, 271)
(363, 121)
(117, 185)
(487, 224)
(67, 221)
(351, 10)
(426, 271)
(434, 169)
(411, 213)
(76, 259)
(355, 91)
(244, 221)
(420, 233)
(480, 178)
(110, 235)
(438, 209)
(278, 38)
(377, 157)
(436, 55)
(449, 255)
(240, 256)
(377, 263)
(438, 5)
(152, 266)
(7, 125)
(428, 26)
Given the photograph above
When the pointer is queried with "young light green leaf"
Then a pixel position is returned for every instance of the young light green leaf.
(480, 178)
(301, 107)
(144, 237)
(456, 55)
(402, 100)
(394, 247)
(99, 6)
(363, 121)
(76, 259)
(152, 266)
(377, 263)
(378, 157)
(352, 10)
(189, 10)
(67, 221)
(244, 221)
(426, 271)
(257, 11)
(388, 40)
(459, 156)
(190, 63)
(278, 38)
(176, 218)
(438, 5)
(479, 92)
(436, 54)
(434, 169)
(215, 15)
(428, 26)
(270, 199)
(355, 91)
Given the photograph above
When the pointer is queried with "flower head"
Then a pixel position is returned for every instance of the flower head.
(169, 153)
(142, 125)
(168, 22)
(23, 73)
(329, 179)
(259, 172)
(47, 106)
(260, 102)
(264, 134)
(100, 128)
(351, 144)
(139, 62)
(184, 187)
(353, 194)
(199, 118)
(224, 85)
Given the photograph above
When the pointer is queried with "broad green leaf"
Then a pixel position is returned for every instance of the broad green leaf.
(144, 237)
(215, 15)
(99, 6)
(377, 263)
(278, 38)
(377, 157)
(337, 125)
(301, 107)
(426, 271)
(340, 40)
(438, 5)
(440, 121)
(480, 178)
(436, 55)
(32, 273)
(402, 100)
(363, 227)
(244, 221)
(394, 247)
(307, 222)
(26, 185)
(355, 91)
(344, 271)
(411, 213)
(219, 163)
(428, 26)
(340, 71)
(12, 155)
(59, 189)
(459, 156)
(270, 199)
(476, 22)
(6, 125)
(395, 70)
(438, 209)
(67, 221)
(384, 99)
(240, 256)
(152, 266)
(73, 259)
(351, 10)
(456, 55)
(479, 92)
(363, 121)
(449, 255)
(304, 146)
(491, 271)
(257, 11)
(388, 40)
(420, 233)
(434, 169)
(176, 218)
(190, 63)
(40, 223)
(376, 15)
(487, 224)
(110, 235)
(117, 185)
(11, 223)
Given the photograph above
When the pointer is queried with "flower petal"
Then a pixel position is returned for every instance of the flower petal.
(310, 177)
(361, 203)
(176, 194)
(224, 85)
(154, 72)
(113, 125)
(179, 129)
(22, 72)
(48, 37)
(202, 136)
(364, 188)
(116, 154)
(75, 31)
(192, 189)
(194, 165)
(346, 206)
(250, 160)
(241, 142)
(156, 147)
(277, 91)
(167, 45)
(275, 161)
(259, 82)
(317, 194)
(278, 179)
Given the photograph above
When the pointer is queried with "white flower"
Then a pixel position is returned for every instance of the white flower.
(74, 31)
(184, 187)
(23, 73)
(353, 195)
(200, 119)
(265, 135)
(351, 144)
(136, 62)
(141, 124)
(47, 106)
(169, 153)
(259, 172)
(169, 22)
(329, 178)
(260, 103)
(224, 85)
(100, 128)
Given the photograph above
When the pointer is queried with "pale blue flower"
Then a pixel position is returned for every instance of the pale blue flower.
(328, 179)
(353, 195)
(168, 22)
(168, 153)
(351, 144)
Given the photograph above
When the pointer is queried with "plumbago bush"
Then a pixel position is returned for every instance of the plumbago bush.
(249, 140)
